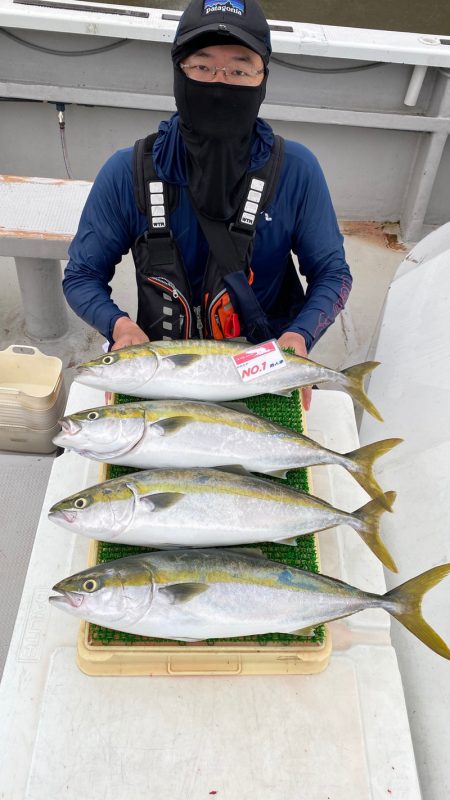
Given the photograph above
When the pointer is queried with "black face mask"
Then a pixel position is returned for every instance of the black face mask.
(216, 122)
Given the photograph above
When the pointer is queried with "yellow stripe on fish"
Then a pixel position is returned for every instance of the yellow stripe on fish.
(205, 370)
(178, 434)
(281, 577)
(154, 411)
(202, 594)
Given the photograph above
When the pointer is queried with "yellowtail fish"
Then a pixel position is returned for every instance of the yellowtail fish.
(192, 595)
(163, 508)
(200, 369)
(172, 434)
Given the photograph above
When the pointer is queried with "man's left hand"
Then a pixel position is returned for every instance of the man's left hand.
(297, 343)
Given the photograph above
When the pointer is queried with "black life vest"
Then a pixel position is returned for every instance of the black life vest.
(229, 307)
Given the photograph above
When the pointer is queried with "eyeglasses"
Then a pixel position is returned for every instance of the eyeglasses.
(206, 73)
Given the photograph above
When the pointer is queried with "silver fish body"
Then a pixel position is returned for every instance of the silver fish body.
(206, 508)
(193, 595)
(174, 434)
(201, 369)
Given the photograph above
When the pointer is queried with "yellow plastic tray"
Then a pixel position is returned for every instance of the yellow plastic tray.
(28, 378)
(242, 658)
(203, 660)
(32, 399)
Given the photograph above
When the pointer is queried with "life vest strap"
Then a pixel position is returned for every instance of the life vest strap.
(228, 266)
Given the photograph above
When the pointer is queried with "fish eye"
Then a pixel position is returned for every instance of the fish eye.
(93, 415)
(108, 360)
(90, 585)
(80, 502)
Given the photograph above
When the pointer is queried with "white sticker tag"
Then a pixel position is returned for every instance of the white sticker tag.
(259, 360)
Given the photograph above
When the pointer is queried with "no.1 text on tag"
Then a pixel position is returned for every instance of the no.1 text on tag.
(259, 360)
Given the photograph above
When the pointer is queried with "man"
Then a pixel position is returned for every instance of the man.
(208, 152)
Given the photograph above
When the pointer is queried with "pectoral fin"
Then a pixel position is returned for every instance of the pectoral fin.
(237, 405)
(161, 501)
(236, 469)
(181, 360)
(303, 631)
(170, 425)
(278, 473)
(284, 392)
(255, 552)
(292, 541)
(182, 592)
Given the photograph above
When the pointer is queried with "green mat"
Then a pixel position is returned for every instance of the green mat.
(283, 411)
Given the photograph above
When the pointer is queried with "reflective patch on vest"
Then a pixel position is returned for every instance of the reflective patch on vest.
(252, 202)
(257, 184)
(255, 197)
(248, 219)
(157, 205)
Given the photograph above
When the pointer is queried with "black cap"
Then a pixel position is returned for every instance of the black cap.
(227, 22)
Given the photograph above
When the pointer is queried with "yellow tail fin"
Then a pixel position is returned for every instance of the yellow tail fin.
(360, 462)
(369, 530)
(354, 380)
(405, 605)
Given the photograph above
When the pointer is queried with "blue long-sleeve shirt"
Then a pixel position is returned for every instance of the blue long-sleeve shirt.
(300, 218)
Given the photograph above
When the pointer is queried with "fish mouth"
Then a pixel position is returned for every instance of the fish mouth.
(97, 374)
(64, 598)
(89, 376)
(69, 426)
(87, 366)
(63, 514)
(90, 370)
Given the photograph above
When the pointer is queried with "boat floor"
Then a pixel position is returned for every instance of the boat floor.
(373, 252)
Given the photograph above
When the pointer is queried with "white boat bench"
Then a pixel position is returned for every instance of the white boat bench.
(342, 734)
(38, 220)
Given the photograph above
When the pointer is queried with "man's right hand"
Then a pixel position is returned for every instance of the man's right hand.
(126, 332)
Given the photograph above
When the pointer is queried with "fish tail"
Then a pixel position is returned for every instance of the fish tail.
(404, 603)
(353, 382)
(360, 462)
(369, 529)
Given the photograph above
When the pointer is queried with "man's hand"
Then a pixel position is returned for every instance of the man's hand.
(297, 343)
(126, 332)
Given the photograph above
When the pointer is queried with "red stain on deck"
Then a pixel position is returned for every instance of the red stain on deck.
(26, 179)
(372, 231)
(19, 233)
(35, 179)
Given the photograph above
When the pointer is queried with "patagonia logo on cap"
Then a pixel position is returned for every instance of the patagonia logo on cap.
(232, 6)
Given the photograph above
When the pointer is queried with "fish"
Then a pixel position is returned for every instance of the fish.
(199, 369)
(176, 508)
(178, 433)
(192, 595)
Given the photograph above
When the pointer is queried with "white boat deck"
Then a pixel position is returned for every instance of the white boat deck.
(189, 738)
(414, 386)
(185, 736)
(373, 254)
